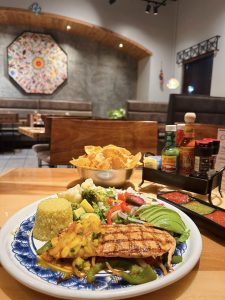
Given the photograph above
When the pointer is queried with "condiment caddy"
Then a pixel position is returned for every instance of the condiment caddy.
(188, 183)
(185, 163)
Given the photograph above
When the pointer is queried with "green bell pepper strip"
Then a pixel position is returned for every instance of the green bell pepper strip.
(137, 274)
(120, 263)
(176, 259)
(144, 275)
(44, 248)
(94, 270)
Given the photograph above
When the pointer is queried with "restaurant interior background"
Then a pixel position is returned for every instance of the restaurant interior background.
(91, 59)
(101, 72)
(105, 75)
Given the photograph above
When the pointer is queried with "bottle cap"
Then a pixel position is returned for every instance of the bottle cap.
(203, 148)
(180, 126)
(215, 144)
(189, 117)
(171, 127)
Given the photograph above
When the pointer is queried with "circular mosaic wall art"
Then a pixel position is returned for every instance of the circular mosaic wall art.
(36, 63)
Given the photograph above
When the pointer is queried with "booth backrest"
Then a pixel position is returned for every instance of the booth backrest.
(45, 106)
(69, 136)
(209, 110)
(72, 108)
(9, 118)
(145, 110)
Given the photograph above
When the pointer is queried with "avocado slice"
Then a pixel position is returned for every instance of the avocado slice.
(77, 213)
(163, 217)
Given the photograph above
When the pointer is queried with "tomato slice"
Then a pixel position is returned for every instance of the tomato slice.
(124, 206)
(112, 210)
(109, 200)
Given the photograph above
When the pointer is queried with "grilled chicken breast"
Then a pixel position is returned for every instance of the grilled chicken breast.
(134, 241)
(128, 241)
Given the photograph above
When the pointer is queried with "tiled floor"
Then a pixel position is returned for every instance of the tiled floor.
(18, 158)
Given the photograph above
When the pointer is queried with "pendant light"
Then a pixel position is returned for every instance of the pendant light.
(173, 83)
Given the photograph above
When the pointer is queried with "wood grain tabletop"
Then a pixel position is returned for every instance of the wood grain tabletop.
(22, 186)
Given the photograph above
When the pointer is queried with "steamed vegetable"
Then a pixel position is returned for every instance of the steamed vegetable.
(139, 275)
(90, 195)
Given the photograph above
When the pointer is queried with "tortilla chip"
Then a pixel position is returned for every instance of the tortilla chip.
(118, 163)
(107, 157)
(134, 161)
(92, 149)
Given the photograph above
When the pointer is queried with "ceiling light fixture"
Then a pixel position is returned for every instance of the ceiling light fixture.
(68, 27)
(121, 45)
(155, 10)
(156, 4)
(148, 8)
(112, 1)
(173, 83)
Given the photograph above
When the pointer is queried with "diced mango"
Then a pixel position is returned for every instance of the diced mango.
(92, 217)
(87, 206)
(65, 252)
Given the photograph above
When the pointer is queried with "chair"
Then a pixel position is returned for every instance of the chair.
(43, 150)
(69, 136)
(43, 153)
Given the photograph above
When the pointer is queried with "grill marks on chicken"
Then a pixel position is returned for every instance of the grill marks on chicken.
(128, 241)
(134, 241)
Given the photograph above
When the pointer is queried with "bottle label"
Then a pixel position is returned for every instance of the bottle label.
(169, 163)
(186, 160)
(179, 137)
(202, 166)
(197, 164)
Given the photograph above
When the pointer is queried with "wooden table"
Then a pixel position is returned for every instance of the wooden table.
(21, 187)
(36, 133)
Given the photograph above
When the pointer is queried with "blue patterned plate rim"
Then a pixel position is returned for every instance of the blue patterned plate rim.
(18, 258)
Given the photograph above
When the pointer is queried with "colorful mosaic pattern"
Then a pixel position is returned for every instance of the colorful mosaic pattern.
(36, 63)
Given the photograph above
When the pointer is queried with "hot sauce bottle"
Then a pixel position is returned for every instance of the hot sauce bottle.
(170, 153)
(203, 158)
(215, 149)
(187, 146)
(179, 133)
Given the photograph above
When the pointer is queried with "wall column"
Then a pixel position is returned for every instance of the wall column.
(143, 82)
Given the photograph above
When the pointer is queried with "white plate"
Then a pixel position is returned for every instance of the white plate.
(21, 265)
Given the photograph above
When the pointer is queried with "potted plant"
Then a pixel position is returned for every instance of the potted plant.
(118, 113)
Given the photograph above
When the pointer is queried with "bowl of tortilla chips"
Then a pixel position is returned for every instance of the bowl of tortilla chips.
(108, 166)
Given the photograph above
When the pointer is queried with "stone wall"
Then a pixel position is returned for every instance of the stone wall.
(96, 73)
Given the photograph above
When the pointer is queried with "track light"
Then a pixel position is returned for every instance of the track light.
(148, 8)
(155, 10)
(155, 5)
(151, 4)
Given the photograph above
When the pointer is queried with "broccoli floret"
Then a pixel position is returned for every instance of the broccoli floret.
(90, 195)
